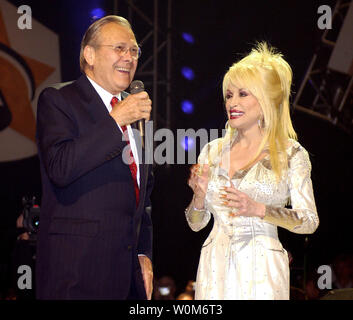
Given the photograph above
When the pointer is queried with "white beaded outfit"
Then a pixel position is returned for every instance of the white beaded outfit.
(242, 258)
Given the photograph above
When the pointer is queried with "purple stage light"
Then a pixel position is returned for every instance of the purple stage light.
(189, 38)
(187, 106)
(97, 13)
(188, 73)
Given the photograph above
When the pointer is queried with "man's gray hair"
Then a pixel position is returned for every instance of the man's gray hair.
(91, 35)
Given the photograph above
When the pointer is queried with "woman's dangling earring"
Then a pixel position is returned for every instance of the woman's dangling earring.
(260, 123)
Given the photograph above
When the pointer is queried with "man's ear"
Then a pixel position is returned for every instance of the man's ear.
(89, 54)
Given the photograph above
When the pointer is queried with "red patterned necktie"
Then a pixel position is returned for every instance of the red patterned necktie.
(132, 165)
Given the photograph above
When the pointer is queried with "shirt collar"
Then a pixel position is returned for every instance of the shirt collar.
(104, 94)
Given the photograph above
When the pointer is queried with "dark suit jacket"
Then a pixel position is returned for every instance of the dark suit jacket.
(91, 231)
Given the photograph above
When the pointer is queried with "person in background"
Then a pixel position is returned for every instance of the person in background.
(185, 296)
(343, 271)
(189, 292)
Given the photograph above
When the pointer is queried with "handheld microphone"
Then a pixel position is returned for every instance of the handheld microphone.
(137, 86)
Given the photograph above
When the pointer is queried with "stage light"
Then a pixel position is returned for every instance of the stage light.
(187, 143)
(187, 106)
(97, 13)
(188, 73)
(189, 38)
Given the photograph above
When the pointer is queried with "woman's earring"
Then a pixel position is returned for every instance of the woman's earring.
(259, 124)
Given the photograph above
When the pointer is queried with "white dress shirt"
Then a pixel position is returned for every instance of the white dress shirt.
(107, 98)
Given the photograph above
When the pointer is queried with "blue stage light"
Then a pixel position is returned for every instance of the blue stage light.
(187, 143)
(187, 106)
(189, 38)
(97, 13)
(188, 73)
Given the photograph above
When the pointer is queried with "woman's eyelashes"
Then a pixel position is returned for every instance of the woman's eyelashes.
(241, 94)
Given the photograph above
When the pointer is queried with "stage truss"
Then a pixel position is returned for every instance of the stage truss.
(153, 24)
(327, 89)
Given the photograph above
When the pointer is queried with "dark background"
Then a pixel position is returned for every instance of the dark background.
(222, 30)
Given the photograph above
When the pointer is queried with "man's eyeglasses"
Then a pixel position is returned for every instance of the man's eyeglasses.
(135, 52)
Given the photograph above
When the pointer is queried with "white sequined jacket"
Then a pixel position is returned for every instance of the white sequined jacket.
(242, 258)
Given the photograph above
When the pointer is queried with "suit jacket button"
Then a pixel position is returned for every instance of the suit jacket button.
(129, 247)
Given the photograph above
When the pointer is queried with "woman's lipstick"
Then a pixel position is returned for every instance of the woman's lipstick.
(235, 114)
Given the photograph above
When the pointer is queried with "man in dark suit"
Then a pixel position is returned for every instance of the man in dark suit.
(95, 235)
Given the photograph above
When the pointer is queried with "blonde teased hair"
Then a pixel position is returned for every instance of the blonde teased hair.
(268, 77)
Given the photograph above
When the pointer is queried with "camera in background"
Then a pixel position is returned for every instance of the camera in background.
(31, 214)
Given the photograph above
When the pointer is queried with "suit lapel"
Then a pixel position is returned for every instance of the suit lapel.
(97, 110)
(92, 101)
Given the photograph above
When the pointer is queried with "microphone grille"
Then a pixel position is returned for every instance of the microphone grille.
(136, 86)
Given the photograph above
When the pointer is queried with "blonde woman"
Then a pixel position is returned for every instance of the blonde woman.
(246, 180)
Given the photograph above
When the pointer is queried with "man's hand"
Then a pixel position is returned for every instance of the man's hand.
(147, 274)
(134, 107)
